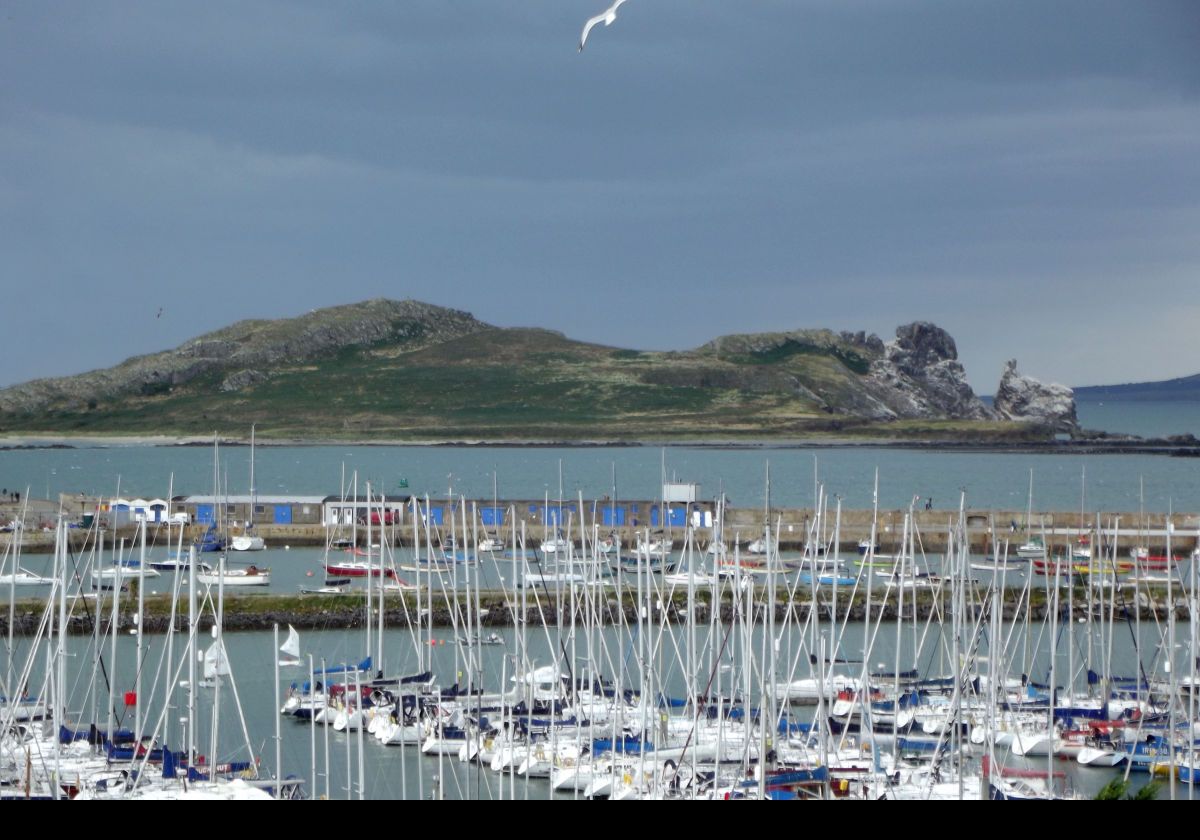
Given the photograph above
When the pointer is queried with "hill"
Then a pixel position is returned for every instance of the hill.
(407, 370)
(1183, 388)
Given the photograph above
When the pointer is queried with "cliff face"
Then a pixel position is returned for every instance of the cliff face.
(915, 376)
(247, 353)
(1026, 399)
(918, 375)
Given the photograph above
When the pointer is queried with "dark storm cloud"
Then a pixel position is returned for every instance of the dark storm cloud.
(1023, 173)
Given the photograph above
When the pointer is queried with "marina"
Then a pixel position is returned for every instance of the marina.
(905, 653)
(655, 401)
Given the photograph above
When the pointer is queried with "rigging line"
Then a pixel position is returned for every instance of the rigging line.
(1133, 637)
(712, 674)
(92, 622)
(558, 620)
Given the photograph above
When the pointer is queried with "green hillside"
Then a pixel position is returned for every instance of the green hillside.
(424, 373)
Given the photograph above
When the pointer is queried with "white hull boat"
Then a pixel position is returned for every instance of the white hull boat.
(248, 543)
(252, 576)
(25, 579)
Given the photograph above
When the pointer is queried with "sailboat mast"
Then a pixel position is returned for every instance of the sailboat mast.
(370, 572)
(138, 619)
(277, 715)
(253, 489)
(118, 551)
(191, 656)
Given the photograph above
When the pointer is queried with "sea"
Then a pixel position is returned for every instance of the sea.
(329, 761)
(995, 480)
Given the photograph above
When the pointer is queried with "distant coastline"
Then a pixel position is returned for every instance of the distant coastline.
(1186, 388)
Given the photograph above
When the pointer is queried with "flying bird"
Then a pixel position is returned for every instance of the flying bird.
(606, 17)
(160, 311)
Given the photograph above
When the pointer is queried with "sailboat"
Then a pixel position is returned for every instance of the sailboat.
(249, 576)
(248, 540)
(492, 542)
(762, 545)
(24, 578)
(291, 648)
(1033, 547)
(216, 664)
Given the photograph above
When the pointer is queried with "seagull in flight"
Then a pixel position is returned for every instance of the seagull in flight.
(606, 17)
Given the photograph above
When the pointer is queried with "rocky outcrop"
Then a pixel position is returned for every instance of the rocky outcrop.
(1028, 400)
(243, 379)
(916, 375)
(919, 376)
(237, 356)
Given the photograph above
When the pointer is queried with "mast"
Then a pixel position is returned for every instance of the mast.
(138, 618)
(1170, 666)
(221, 665)
(898, 578)
(191, 656)
(60, 706)
(277, 715)
(253, 489)
(370, 571)
(118, 550)
(385, 550)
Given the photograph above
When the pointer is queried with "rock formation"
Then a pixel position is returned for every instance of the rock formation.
(919, 376)
(1026, 399)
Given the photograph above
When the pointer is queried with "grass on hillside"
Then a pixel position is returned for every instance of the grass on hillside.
(523, 385)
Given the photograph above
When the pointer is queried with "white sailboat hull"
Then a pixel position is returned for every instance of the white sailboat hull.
(245, 543)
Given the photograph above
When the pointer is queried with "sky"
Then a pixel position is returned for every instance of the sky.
(1024, 174)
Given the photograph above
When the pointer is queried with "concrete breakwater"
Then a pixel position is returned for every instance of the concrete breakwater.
(790, 526)
(262, 612)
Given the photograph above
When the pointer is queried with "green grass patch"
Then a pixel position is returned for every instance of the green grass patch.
(791, 348)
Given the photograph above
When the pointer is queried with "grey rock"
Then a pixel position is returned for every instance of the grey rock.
(243, 379)
(1027, 399)
(919, 376)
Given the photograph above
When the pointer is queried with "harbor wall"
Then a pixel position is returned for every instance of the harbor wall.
(985, 528)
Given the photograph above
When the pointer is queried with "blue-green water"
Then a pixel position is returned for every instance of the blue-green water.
(391, 772)
(1144, 419)
(991, 480)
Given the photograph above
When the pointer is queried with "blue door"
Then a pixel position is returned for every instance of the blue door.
(492, 516)
(283, 514)
(204, 514)
(610, 520)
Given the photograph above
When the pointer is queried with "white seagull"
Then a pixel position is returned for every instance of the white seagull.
(606, 17)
